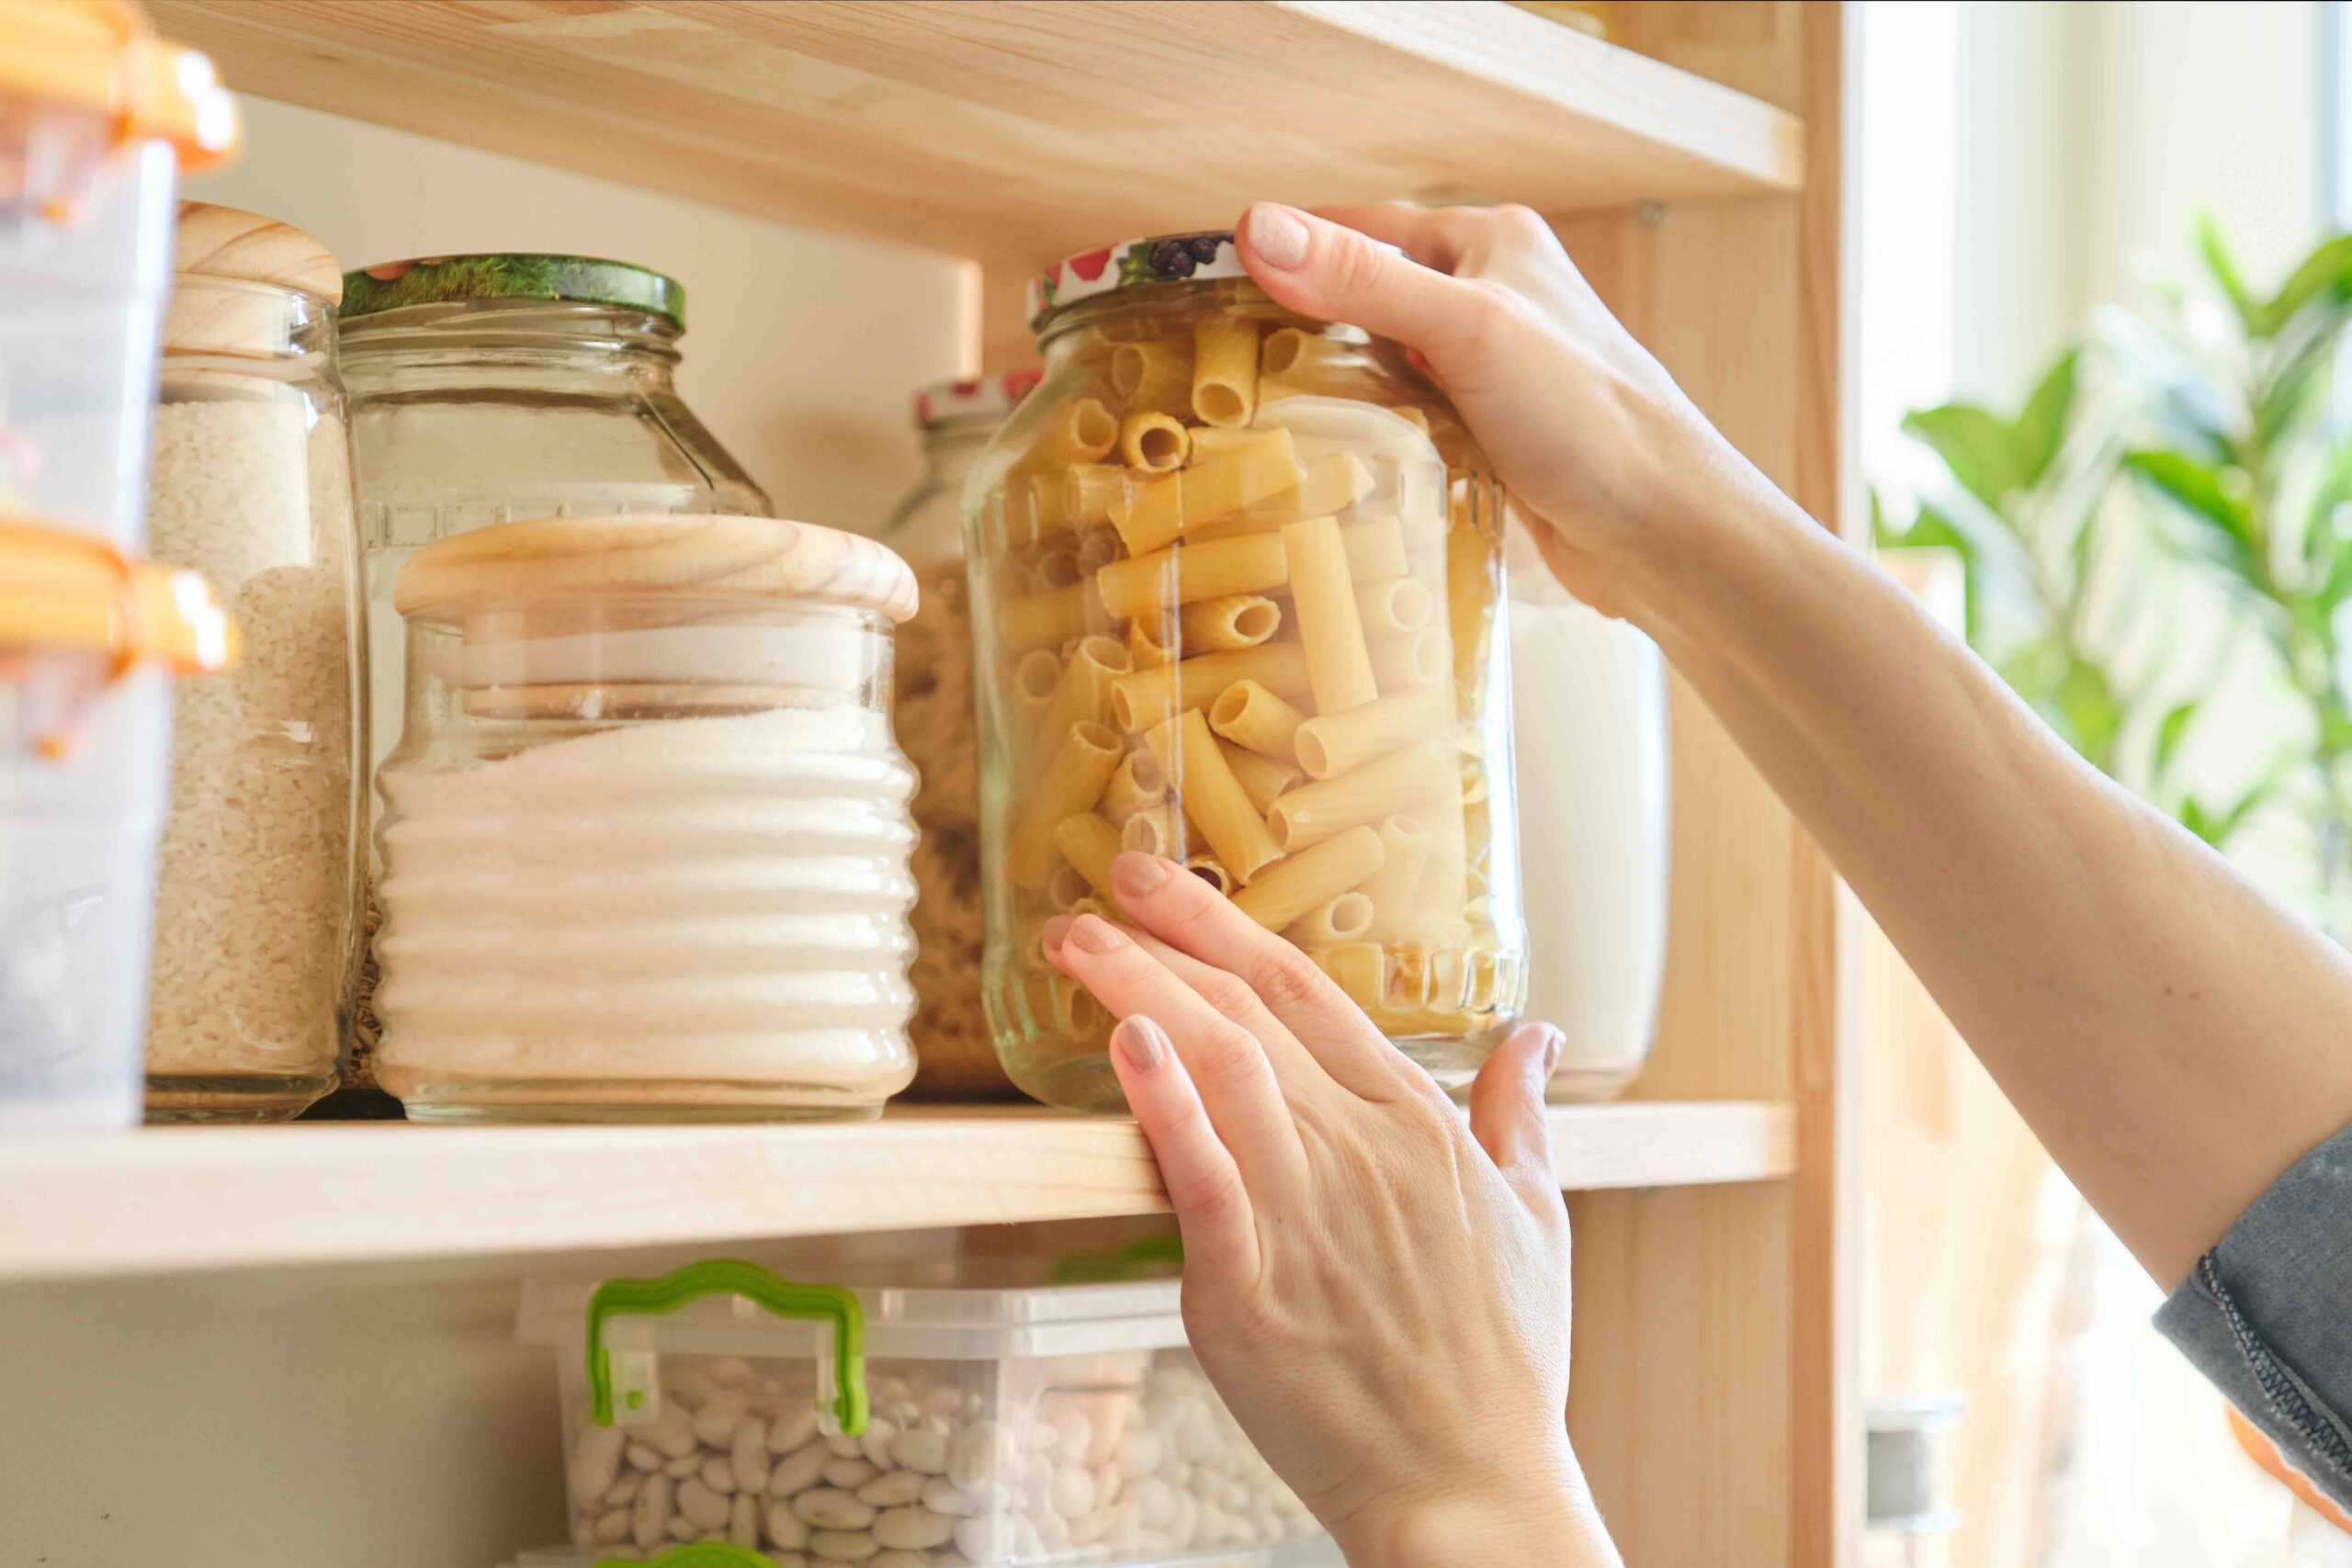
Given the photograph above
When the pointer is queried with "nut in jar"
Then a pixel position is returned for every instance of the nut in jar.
(1237, 589)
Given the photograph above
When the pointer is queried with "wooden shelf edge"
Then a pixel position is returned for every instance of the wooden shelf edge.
(195, 1199)
(1748, 141)
(949, 128)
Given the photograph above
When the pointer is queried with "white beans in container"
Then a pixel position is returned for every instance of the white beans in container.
(1065, 1424)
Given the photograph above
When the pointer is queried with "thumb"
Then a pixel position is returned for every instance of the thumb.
(1507, 1101)
(1322, 269)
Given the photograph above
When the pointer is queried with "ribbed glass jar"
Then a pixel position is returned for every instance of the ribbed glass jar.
(645, 838)
(1237, 589)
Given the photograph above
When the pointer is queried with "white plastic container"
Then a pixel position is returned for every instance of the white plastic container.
(93, 109)
(1588, 712)
(1057, 1424)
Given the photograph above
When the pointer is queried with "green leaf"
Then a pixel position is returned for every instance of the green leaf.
(2040, 430)
(2327, 271)
(2218, 828)
(2338, 584)
(2170, 732)
(2322, 535)
(2218, 261)
(2093, 717)
(1976, 445)
(2203, 494)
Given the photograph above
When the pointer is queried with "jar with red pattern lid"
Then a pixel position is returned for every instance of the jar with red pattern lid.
(1237, 595)
(934, 716)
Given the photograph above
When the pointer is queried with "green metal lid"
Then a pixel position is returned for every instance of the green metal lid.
(437, 281)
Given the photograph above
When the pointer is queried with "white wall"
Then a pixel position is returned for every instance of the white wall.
(801, 349)
(2188, 107)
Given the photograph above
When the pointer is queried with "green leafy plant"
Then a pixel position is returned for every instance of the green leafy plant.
(2208, 462)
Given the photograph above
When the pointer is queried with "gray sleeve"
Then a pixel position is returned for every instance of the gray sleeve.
(2267, 1315)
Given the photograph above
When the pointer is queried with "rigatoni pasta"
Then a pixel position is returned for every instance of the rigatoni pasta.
(1080, 763)
(1251, 716)
(1271, 667)
(1339, 668)
(1225, 369)
(1211, 799)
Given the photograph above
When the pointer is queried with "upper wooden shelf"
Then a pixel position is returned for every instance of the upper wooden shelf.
(1018, 132)
(181, 1200)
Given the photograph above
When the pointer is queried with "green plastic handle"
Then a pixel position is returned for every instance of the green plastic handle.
(726, 1277)
(699, 1554)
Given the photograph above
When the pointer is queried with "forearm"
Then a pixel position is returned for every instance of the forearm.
(2172, 1036)
(1552, 1526)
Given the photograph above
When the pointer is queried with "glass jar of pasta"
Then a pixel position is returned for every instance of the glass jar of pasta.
(954, 1054)
(1237, 598)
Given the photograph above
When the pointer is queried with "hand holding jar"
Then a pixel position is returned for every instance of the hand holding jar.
(1236, 577)
(1378, 1288)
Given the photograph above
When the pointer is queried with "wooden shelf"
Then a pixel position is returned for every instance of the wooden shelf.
(192, 1198)
(1016, 133)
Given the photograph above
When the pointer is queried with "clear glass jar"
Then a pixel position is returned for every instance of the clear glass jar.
(486, 389)
(1237, 581)
(250, 483)
(491, 387)
(644, 843)
(1589, 693)
(954, 1054)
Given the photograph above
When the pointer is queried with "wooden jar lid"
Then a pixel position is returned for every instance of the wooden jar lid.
(240, 247)
(556, 560)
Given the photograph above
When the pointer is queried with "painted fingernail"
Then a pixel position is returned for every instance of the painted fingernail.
(1057, 931)
(1135, 872)
(1278, 234)
(1095, 934)
(1141, 1042)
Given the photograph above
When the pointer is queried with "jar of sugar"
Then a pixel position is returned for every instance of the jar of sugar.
(645, 834)
(249, 484)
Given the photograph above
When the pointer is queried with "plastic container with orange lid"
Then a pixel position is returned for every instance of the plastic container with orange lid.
(95, 111)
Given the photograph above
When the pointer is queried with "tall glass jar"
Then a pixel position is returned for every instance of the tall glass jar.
(1588, 693)
(1237, 588)
(486, 389)
(953, 1052)
(645, 835)
(250, 483)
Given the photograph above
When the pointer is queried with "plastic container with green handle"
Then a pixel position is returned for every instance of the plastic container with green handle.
(1005, 1426)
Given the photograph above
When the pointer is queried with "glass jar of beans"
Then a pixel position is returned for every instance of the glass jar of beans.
(1237, 600)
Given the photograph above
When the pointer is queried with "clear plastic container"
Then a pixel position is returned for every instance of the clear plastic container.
(645, 835)
(1052, 1424)
(251, 483)
(954, 1054)
(1236, 585)
(1319, 1552)
(93, 112)
(489, 389)
(1588, 698)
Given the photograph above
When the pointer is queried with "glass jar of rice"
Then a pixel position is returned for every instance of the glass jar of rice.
(250, 483)
(1237, 592)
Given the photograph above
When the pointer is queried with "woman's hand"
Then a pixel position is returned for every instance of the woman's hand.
(1602, 452)
(1379, 1289)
